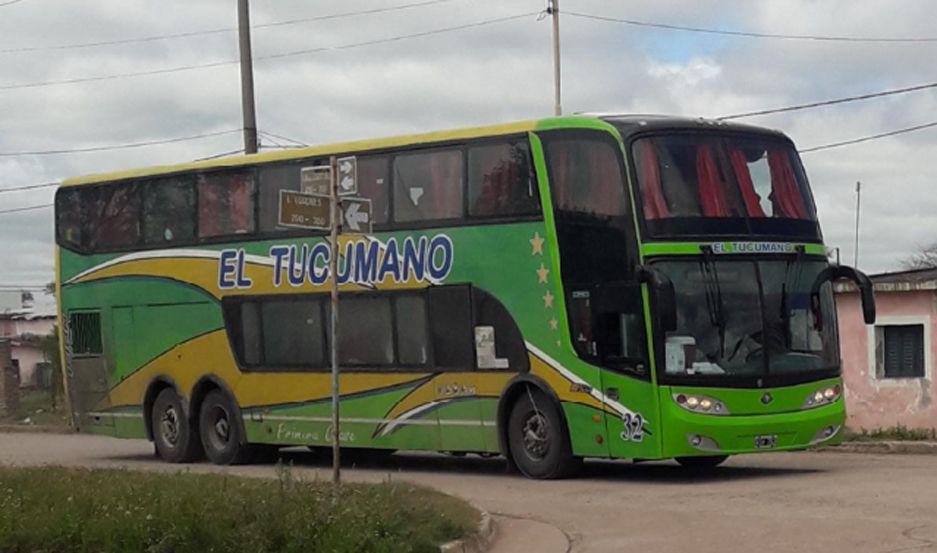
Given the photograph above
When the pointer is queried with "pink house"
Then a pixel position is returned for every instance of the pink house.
(25, 323)
(888, 367)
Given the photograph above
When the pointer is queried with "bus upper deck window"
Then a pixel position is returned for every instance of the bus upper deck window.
(225, 204)
(586, 177)
(500, 181)
(169, 211)
(428, 186)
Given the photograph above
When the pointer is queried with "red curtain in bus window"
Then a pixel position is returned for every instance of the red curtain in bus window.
(605, 193)
(652, 197)
(209, 223)
(240, 204)
(559, 152)
(744, 177)
(784, 190)
(711, 190)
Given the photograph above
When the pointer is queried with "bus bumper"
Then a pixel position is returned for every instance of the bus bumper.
(693, 434)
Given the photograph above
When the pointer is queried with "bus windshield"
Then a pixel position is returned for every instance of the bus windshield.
(749, 319)
(712, 184)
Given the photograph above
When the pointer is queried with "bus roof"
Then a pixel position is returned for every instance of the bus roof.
(626, 124)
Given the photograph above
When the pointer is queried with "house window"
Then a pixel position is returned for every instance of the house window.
(900, 351)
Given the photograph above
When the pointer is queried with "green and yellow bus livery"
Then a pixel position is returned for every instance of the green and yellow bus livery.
(613, 287)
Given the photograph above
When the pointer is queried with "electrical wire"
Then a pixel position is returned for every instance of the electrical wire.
(177, 69)
(281, 137)
(831, 102)
(10, 3)
(868, 138)
(29, 187)
(272, 24)
(749, 34)
(22, 209)
(117, 146)
(222, 154)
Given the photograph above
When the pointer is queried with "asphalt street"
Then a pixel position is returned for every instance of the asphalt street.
(780, 502)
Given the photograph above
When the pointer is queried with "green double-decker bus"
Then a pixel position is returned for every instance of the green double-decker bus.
(611, 287)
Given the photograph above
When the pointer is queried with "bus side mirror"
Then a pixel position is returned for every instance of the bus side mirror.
(663, 297)
(863, 283)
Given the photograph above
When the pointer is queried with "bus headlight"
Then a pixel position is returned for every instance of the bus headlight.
(823, 396)
(701, 404)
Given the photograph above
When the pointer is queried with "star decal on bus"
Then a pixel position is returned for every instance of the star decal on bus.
(542, 273)
(537, 244)
(548, 300)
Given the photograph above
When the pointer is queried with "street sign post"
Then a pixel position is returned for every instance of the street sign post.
(333, 330)
(305, 211)
(356, 215)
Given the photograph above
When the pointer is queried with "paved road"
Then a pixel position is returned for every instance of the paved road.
(824, 502)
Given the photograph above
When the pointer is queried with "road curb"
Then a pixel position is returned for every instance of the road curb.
(479, 543)
(35, 429)
(886, 446)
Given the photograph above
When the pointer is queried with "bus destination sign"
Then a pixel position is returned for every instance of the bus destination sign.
(305, 211)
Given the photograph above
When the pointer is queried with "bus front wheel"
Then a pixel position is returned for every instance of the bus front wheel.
(704, 462)
(538, 439)
(175, 439)
(221, 433)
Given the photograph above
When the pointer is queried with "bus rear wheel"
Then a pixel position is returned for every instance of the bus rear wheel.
(702, 463)
(175, 439)
(221, 432)
(538, 439)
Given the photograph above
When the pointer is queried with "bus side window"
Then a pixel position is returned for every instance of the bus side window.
(500, 181)
(428, 186)
(169, 211)
(68, 217)
(450, 310)
(112, 216)
(374, 184)
(225, 204)
(273, 178)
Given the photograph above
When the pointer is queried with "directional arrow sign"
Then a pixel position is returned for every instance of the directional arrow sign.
(356, 215)
(347, 176)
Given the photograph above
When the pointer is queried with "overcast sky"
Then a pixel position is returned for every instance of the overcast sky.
(485, 74)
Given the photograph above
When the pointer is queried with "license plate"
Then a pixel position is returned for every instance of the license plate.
(766, 442)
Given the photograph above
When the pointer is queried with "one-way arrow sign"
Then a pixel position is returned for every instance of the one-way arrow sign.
(356, 215)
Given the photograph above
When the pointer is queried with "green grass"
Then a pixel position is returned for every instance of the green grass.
(59, 510)
(36, 405)
(897, 433)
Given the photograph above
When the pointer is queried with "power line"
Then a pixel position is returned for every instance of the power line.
(22, 209)
(281, 137)
(29, 187)
(10, 3)
(222, 154)
(868, 138)
(831, 102)
(117, 146)
(222, 30)
(749, 34)
(268, 57)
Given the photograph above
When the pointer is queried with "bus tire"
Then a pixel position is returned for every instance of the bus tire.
(703, 462)
(174, 438)
(538, 438)
(221, 432)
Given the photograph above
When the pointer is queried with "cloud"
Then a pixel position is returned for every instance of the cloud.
(488, 74)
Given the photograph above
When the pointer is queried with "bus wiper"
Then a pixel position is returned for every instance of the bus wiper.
(713, 292)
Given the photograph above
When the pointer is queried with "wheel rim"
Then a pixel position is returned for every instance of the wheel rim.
(169, 426)
(219, 428)
(536, 436)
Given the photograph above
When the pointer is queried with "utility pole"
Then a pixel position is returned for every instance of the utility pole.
(553, 8)
(247, 78)
(333, 331)
(855, 259)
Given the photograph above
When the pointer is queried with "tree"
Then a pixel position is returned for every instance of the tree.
(924, 258)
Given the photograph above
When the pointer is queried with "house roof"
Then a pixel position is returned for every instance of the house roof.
(897, 281)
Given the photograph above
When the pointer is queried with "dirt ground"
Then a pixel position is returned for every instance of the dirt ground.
(780, 502)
